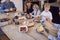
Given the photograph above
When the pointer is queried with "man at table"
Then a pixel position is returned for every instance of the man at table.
(8, 6)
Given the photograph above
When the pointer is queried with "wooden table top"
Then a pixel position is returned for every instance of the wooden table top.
(12, 31)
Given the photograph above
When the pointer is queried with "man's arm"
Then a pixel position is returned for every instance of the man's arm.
(5, 23)
(14, 7)
(3, 5)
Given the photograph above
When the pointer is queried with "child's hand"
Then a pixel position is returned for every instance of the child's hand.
(31, 14)
(47, 18)
(34, 16)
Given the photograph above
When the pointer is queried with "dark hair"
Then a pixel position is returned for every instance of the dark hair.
(0, 0)
(27, 2)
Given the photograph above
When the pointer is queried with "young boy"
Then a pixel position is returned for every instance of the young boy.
(46, 14)
(47, 18)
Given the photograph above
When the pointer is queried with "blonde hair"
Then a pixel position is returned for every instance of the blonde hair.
(47, 5)
(36, 6)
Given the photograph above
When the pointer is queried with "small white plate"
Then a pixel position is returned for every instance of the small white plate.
(23, 27)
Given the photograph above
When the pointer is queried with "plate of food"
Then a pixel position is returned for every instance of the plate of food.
(29, 16)
(30, 24)
(40, 29)
(23, 28)
(21, 18)
(37, 20)
(6, 10)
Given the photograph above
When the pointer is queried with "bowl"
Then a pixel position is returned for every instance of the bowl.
(30, 24)
(40, 29)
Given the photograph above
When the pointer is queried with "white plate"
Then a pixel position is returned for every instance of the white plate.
(23, 26)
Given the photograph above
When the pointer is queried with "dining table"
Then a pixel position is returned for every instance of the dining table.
(13, 32)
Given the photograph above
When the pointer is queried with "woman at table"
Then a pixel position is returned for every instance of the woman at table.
(28, 7)
(1, 10)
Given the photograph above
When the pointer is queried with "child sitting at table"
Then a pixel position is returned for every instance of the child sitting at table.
(47, 18)
(36, 11)
(46, 14)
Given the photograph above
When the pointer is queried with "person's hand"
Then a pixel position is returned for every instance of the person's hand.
(10, 22)
(36, 16)
(30, 14)
(12, 9)
(47, 18)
